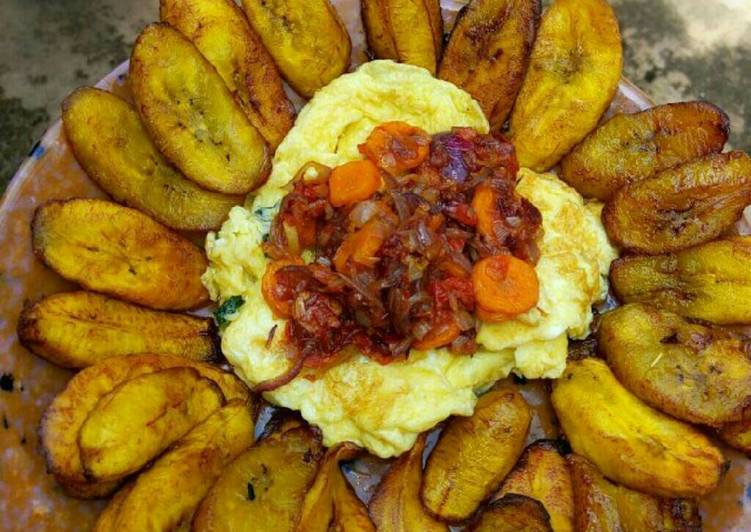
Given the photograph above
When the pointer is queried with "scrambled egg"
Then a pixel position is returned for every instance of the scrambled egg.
(384, 408)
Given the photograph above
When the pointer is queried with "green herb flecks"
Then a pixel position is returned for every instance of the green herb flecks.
(224, 314)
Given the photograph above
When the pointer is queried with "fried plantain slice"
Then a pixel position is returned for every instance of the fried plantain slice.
(410, 31)
(604, 506)
(105, 522)
(80, 329)
(542, 474)
(110, 143)
(710, 282)
(192, 116)
(573, 74)
(62, 421)
(265, 486)
(488, 52)
(690, 371)
(306, 38)
(680, 207)
(121, 252)
(165, 496)
(513, 513)
(629, 441)
(222, 34)
(632, 147)
(474, 454)
(737, 435)
(396, 505)
(117, 439)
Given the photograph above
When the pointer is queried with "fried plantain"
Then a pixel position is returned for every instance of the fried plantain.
(474, 454)
(110, 143)
(306, 38)
(690, 371)
(710, 282)
(488, 52)
(573, 74)
(105, 522)
(396, 505)
(737, 435)
(542, 474)
(62, 421)
(629, 441)
(632, 147)
(680, 207)
(165, 496)
(602, 506)
(117, 439)
(121, 252)
(80, 329)
(264, 486)
(410, 31)
(192, 116)
(222, 34)
(513, 513)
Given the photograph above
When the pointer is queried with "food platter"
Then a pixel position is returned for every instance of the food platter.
(30, 497)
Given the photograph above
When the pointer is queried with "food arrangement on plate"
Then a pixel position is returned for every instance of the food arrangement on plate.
(409, 279)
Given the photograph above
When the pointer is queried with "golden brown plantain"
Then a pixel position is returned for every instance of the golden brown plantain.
(306, 38)
(165, 496)
(80, 329)
(690, 371)
(62, 420)
(632, 147)
(105, 522)
(125, 431)
(573, 75)
(396, 504)
(513, 513)
(681, 207)
(222, 34)
(602, 506)
(710, 282)
(121, 252)
(737, 435)
(488, 52)
(110, 143)
(265, 486)
(629, 441)
(474, 454)
(409, 31)
(543, 475)
(192, 116)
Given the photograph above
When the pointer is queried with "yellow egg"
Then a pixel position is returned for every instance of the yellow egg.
(384, 407)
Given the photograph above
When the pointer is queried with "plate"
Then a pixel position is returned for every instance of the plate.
(30, 499)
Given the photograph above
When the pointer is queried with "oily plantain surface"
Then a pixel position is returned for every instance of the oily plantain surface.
(737, 435)
(602, 506)
(542, 474)
(513, 513)
(710, 282)
(488, 52)
(192, 116)
(80, 329)
(680, 207)
(62, 421)
(121, 252)
(632, 147)
(111, 144)
(165, 496)
(117, 439)
(630, 442)
(265, 486)
(573, 74)
(690, 371)
(396, 504)
(220, 31)
(306, 38)
(474, 454)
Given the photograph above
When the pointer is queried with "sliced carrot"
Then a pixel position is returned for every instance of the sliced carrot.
(352, 182)
(505, 284)
(362, 245)
(484, 203)
(491, 317)
(270, 289)
(396, 147)
(442, 334)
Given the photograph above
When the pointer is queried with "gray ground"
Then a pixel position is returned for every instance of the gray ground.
(675, 50)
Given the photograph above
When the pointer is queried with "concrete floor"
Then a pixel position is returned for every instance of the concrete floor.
(675, 50)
